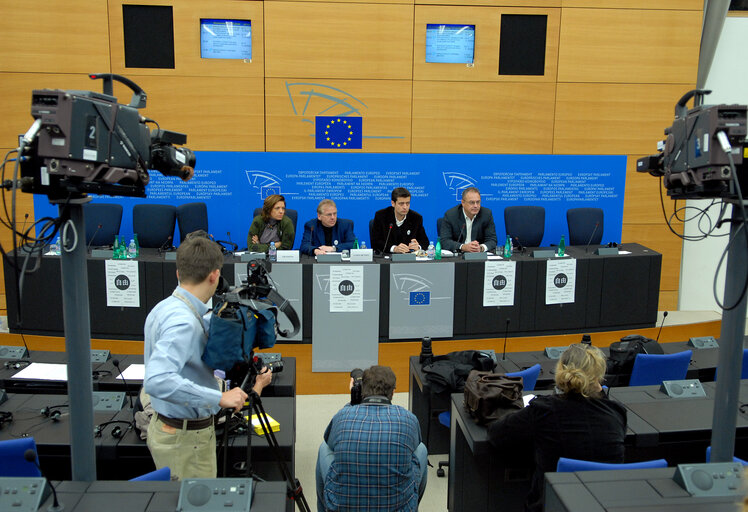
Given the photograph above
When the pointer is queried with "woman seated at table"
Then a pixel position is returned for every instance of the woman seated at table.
(579, 423)
(271, 225)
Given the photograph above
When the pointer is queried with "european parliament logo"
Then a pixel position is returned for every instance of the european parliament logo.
(419, 299)
(338, 132)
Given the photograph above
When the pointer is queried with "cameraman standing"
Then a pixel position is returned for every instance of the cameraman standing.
(372, 457)
(184, 393)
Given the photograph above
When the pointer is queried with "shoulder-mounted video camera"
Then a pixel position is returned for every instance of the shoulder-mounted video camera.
(693, 159)
(86, 142)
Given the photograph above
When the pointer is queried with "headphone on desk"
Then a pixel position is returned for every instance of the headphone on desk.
(17, 364)
(53, 412)
(5, 417)
(117, 431)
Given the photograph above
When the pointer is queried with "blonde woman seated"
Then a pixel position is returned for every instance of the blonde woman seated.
(580, 422)
(271, 226)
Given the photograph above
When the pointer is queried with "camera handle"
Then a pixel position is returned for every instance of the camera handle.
(698, 98)
(139, 96)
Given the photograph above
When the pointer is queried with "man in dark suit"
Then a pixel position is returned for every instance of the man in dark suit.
(325, 233)
(467, 227)
(398, 227)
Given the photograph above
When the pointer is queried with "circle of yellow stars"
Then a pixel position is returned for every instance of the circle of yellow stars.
(327, 132)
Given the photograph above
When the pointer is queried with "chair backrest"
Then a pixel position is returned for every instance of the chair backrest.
(343, 222)
(159, 475)
(570, 465)
(744, 373)
(108, 216)
(526, 224)
(439, 227)
(529, 377)
(154, 223)
(371, 233)
(650, 369)
(13, 461)
(734, 458)
(191, 217)
(585, 226)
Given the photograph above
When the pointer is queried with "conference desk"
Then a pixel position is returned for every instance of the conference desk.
(678, 430)
(116, 496)
(628, 490)
(611, 292)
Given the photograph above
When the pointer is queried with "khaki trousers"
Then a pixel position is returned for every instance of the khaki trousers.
(188, 453)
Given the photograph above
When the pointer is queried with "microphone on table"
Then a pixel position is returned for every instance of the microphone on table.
(115, 362)
(94, 236)
(166, 246)
(506, 333)
(664, 316)
(235, 247)
(519, 245)
(389, 230)
(462, 230)
(586, 249)
(30, 456)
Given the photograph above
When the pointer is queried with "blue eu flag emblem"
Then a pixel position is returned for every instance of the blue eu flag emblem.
(337, 132)
(420, 298)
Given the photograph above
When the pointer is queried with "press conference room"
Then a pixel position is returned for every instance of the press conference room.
(602, 142)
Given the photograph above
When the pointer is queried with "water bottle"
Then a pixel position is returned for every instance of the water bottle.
(508, 247)
(431, 251)
(561, 246)
(137, 246)
(363, 244)
(115, 248)
(438, 252)
(122, 248)
(272, 252)
(131, 251)
(355, 243)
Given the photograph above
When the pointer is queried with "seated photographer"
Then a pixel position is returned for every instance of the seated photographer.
(372, 457)
(579, 423)
(272, 225)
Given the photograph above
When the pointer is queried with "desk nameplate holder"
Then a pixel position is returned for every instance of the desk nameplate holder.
(703, 342)
(287, 257)
(362, 255)
(711, 479)
(209, 494)
(12, 352)
(170, 256)
(330, 257)
(102, 253)
(686, 388)
(606, 251)
(399, 258)
(251, 256)
(544, 253)
(475, 256)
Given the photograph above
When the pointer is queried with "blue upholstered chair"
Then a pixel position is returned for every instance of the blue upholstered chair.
(154, 224)
(371, 234)
(585, 226)
(529, 377)
(734, 458)
(191, 217)
(159, 475)
(526, 224)
(570, 465)
(108, 216)
(650, 369)
(13, 461)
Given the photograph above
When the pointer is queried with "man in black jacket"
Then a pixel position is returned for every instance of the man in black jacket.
(397, 228)
(468, 227)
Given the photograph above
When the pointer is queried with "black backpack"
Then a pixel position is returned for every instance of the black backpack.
(622, 355)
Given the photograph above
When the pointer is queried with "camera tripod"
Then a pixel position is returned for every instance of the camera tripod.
(294, 490)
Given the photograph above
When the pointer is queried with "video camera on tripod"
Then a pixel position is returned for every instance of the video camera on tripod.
(704, 153)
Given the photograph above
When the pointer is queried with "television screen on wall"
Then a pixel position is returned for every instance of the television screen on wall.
(453, 44)
(226, 39)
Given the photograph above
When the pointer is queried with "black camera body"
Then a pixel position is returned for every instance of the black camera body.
(86, 142)
(692, 161)
(357, 374)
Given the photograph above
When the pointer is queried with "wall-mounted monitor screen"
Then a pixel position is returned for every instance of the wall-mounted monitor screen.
(225, 39)
(453, 44)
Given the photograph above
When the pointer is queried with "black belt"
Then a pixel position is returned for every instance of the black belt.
(198, 424)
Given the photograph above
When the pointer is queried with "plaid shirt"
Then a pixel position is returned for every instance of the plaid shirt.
(375, 467)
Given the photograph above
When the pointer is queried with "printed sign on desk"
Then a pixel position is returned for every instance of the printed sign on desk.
(498, 283)
(560, 281)
(122, 284)
(346, 288)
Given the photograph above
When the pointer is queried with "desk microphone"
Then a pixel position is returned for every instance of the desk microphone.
(586, 249)
(235, 247)
(462, 229)
(115, 362)
(506, 333)
(23, 228)
(30, 456)
(94, 236)
(389, 230)
(519, 245)
(664, 316)
(166, 246)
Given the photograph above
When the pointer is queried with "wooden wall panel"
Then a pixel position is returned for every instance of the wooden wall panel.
(325, 40)
(629, 46)
(217, 114)
(659, 238)
(54, 37)
(642, 205)
(292, 105)
(493, 3)
(187, 60)
(679, 5)
(469, 117)
(487, 21)
(613, 118)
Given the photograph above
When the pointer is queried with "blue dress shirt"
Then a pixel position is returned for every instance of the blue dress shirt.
(181, 385)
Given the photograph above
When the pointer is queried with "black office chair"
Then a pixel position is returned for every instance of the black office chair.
(439, 227)
(191, 217)
(154, 224)
(585, 226)
(525, 224)
(103, 221)
(371, 233)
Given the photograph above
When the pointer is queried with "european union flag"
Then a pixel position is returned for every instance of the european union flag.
(420, 298)
(337, 132)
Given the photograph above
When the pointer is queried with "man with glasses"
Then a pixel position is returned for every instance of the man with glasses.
(467, 227)
(326, 233)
